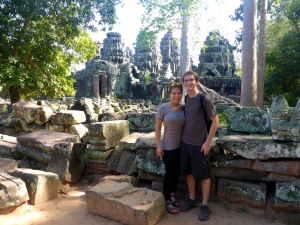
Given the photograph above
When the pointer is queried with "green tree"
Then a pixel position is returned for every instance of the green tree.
(162, 15)
(39, 40)
(283, 52)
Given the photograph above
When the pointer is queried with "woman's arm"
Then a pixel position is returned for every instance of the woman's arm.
(159, 150)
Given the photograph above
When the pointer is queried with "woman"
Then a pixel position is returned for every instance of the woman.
(171, 116)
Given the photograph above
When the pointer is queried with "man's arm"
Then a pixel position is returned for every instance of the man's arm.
(214, 126)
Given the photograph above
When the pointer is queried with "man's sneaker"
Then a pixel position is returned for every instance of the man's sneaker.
(188, 205)
(204, 213)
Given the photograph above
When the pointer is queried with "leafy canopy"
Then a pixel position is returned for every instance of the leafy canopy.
(40, 40)
(164, 15)
(283, 52)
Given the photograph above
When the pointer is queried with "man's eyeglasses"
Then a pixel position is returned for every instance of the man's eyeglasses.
(188, 80)
(175, 84)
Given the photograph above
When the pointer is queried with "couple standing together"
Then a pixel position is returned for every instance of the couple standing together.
(186, 143)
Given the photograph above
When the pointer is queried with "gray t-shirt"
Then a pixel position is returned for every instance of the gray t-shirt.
(173, 123)
(195, 132)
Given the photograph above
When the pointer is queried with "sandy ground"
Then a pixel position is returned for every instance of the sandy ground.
(70, 209)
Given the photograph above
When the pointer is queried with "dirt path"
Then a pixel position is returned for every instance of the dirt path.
(71, 209)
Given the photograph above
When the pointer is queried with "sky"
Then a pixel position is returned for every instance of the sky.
(215, 16)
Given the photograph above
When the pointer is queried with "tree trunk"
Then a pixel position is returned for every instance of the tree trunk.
(184, 64)
(261, 60)
(15, 94)
(249, 79)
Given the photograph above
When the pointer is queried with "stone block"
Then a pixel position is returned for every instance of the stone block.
(147, 160)
(39, 145)
(130, 142)
(56, 127)
(99, 155)
(68, 117)
(146, 141)
(288, 167)
(41, 186)
(258, 147)
(111, 116)
(32, 113)
(248, 119)
(13, 191)
(78, 129)
(7, 165)
(127, 163)
(126, 204)
(285, 120)
(67, 160)
(245, 192)
(8, 146)
(141, 122)
(111, 131)
(4, 107)
(287, 196)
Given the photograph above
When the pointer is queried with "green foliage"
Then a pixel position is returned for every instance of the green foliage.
(222, 117)
(146, 39)
(283, 68)
(39, 41)
(147, 78)
(283, 52)
(164, 15)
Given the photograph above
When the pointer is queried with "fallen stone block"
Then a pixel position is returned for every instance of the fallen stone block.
(68, 117)
(250, 193)
(106, 135)
(33, 113)
(39, 145)
(13, 191)
(285, 120)
(141, 122)
(8, 146)
(7, 165)
(248, 119)
(287, 196)
(67, 160)
(124, 203)
(41, 186)
(258, 147)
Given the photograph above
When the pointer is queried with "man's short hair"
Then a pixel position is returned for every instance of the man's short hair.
(190, 73)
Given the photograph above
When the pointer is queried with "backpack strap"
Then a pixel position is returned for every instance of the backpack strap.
(206, 118)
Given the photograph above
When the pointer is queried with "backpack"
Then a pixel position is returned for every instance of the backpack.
(207, 119)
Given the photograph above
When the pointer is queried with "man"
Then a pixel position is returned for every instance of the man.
(196, 143)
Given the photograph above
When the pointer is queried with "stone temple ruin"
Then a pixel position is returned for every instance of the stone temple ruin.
(217, 66)
(46, 146)
(116, 72)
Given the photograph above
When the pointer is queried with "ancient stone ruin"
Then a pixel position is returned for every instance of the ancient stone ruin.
(170, 54)
(106, 135)
(217, 66)
(255, 158)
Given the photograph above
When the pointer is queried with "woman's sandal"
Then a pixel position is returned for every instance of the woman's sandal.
(171, 208)
(175, 202)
